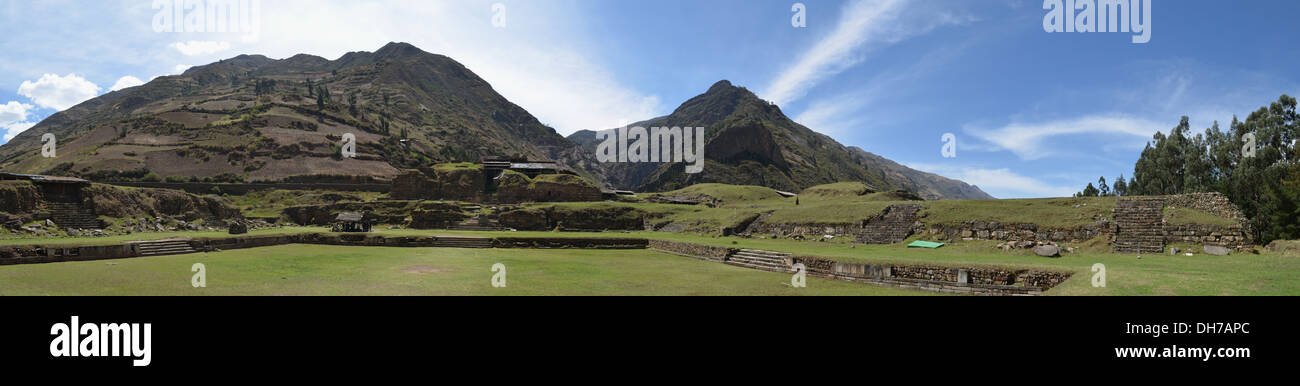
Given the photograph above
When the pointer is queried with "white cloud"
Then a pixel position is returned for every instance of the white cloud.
(13, 117)
(126, 82)
(58, 92)
(199, 47)
(180, 68)
(1001, 183)
(12, 130)
(1032, 141)
(14, 112)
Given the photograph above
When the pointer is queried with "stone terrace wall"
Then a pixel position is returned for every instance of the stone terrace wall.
(985, 230)
(815, 230)
(568, 243)
(1218, 205)
(36, 254)
(704, 252)
(1213, 203)
(245, 188)
(1233, 236)
(971, 280)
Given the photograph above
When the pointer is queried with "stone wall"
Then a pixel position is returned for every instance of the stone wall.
(568, 243)
(992, 230)
(1215, 204)
(703, 252)
(807, 231)
(968, 280)
(423, 214)
(1232, 236)
(894, 224)
(574, 219)
(471, 185)
(245, 188)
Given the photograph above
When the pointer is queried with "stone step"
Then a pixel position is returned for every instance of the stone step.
(759, 267)
(762, 255)
(165, 247)
(462, 242)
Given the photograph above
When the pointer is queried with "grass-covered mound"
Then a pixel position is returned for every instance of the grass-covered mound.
(839, 189)
(1046, 212)
(723, 193)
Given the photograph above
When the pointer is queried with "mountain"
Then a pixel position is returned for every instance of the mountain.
(749, 141)
(254, 118)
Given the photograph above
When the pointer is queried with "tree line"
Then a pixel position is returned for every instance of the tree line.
(1255, 163)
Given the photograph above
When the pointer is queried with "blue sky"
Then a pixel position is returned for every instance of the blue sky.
(1035, 114)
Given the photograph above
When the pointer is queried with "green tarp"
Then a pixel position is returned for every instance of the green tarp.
(924, 244)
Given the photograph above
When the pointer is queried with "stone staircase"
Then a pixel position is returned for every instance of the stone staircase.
(164, 247)
(760, 260)
(480, 225)
(1139, 225)
(892, 226)
(462, 242)
(72, 215)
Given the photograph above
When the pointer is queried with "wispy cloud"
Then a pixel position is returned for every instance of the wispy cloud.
(860, 23)
(1000, 182)
(1033, 141)
(842, 113)
(863, 26)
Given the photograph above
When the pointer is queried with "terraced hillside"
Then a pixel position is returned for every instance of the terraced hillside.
(252, 118)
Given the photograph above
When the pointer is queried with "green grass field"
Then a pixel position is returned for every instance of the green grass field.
(1239, 274)
(308, 269)
(335, 270)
